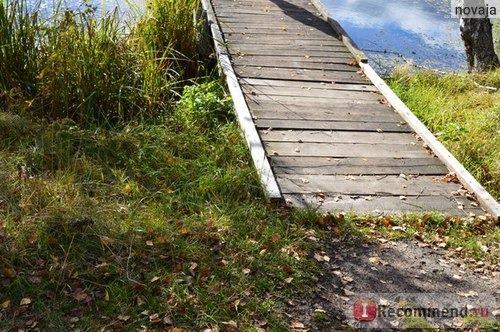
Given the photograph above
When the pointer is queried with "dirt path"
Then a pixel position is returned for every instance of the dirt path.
(392, 274)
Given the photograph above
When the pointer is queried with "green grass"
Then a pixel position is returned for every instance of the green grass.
(464, 117)
(164, 216)
(496, 35)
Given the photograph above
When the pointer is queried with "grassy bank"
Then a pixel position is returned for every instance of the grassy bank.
(128, 200)
(464, 116)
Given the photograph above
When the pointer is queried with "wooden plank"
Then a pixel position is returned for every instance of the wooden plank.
(281, 30)
(308, 85)
(357, 166)
(344, 150)
(323, 136)
(300, 74)
(266, 22)
(343, 63)
(278, 27)
(322, 26)
(385, 204)
(264, 3)
(297, 65)
(283, 161)
(303, 16)
(287, 103)
(244, 50)
(267, 60)
(243, 115)
(312, 21)
(487, 201)
(283, 38)
(299, 48)
(285, 43)
(343, 114)
(305, 92)
(230, 11)
(376, 185)
(333, 125)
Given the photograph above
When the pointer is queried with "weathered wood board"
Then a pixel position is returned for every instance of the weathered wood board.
(344, 150)
(367, 126)
(456, 206)
(358, 166)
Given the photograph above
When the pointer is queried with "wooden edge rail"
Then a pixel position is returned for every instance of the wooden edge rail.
(243, 115)
(486, 200)
(344, 36)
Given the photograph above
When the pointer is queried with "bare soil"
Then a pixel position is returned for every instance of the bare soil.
(389, 272)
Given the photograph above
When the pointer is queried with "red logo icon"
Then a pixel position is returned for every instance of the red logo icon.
(365, 310)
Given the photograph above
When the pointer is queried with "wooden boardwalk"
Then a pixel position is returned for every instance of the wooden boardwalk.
(331, 138)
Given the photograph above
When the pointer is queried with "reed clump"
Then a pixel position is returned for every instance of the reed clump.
(89, 67)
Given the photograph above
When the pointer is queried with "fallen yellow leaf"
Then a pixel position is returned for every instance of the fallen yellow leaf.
(25, 301)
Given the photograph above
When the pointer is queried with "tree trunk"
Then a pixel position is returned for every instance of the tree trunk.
(477, 35)
(478, 39)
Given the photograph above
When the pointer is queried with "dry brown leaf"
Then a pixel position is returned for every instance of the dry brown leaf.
(288, 280)
(468, 294)
(175, 329)
(193, 267)
(154, 318)
(8, 272)
(231, 325)
(318, 257)
(167, 320)
(25, 301)
(6, 304)
(348, 279)
(82, 297)
(106, 240)
(123, 318)
(140, 300)
(375, 260)
(297, 325)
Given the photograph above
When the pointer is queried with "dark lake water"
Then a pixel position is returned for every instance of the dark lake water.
(421, 31)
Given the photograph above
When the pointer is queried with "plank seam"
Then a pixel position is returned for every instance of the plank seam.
(244, 117)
